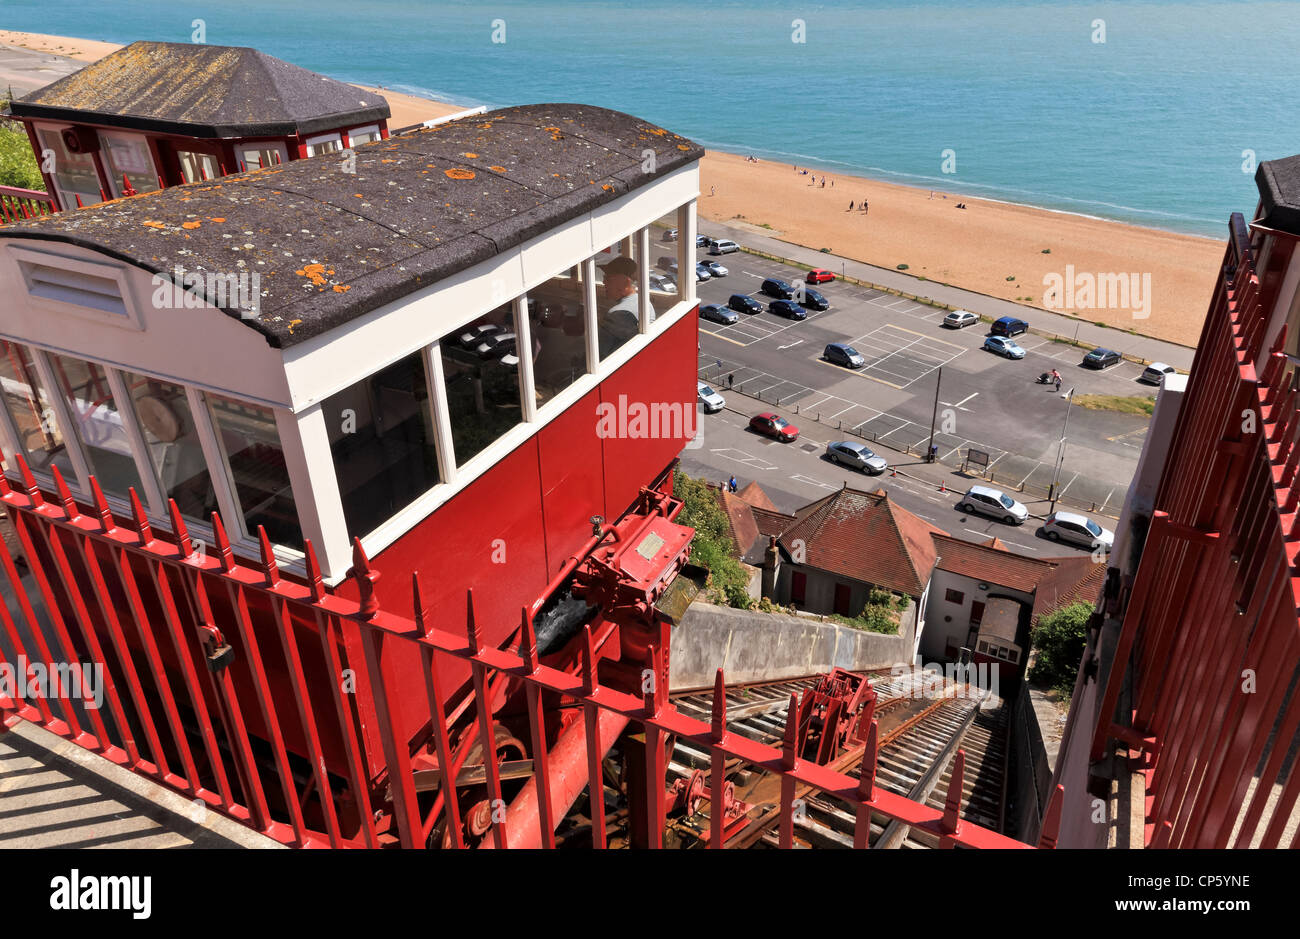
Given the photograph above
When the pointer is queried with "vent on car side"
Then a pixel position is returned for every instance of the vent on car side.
(74, 287)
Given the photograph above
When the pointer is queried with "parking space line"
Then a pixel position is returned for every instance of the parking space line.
(1031, 473)
(1061, 492)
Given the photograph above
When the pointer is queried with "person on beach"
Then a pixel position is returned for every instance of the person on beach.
(850, 205)
(864, 206)
(713, 190)
(823, 182)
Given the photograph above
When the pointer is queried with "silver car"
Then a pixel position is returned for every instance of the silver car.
(712, 401)
(857, 456)
(994, 503)
(1077, 529)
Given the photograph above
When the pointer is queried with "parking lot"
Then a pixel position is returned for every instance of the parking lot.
(985, 402)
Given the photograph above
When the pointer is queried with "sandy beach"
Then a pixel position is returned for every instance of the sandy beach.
(1002, 250)
(980, 247)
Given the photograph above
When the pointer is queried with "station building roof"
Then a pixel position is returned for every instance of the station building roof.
(203, 91)
(332, 239)
(1279, 192)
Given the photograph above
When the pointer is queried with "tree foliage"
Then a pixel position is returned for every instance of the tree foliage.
(1059, 640)
(711, 548)
(18, 166)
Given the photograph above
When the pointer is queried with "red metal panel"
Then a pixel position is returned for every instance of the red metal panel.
(573, 480)
(659, 380)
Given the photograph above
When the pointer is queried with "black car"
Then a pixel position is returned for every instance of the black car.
(788, 308)
(777, 288)
(813, 300)
(718, 314)
(743, 304)
(1009, 326)
(668, 263)
(1101, 358)
(701, 241)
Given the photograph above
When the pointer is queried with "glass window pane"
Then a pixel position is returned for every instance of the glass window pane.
(382, 440)
(557, 322)
(249, 438)
(262, 156)
(31, 411)
(331, 144)
(362, 135)
(98, 424)
(167, 423)
(197, 166)
(128, 155)
(618, 302)
(480, 366)
(664, 240)
(74, 173)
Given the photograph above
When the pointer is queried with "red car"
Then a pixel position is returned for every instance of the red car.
(819, 276)
(769, 425)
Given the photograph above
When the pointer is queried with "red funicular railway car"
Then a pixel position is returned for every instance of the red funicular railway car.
(443, 356)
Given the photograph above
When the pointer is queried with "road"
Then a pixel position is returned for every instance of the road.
(986, 402)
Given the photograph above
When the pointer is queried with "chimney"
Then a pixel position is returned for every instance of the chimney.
(770, 561)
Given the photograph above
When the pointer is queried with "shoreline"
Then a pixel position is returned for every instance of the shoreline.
(1000, 248)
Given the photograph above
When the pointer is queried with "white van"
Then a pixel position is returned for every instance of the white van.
(723, 246)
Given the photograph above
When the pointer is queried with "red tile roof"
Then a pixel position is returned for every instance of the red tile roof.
(1072, 580)
(755, 496)
(992, 565)
(866, 537)
(740, 521)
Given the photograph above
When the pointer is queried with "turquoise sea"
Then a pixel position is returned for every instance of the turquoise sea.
(1158, 125)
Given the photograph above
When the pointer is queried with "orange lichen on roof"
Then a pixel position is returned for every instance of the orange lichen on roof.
(457, 172)
(191, 225)
(497, 169)
(216, 218)
(471, 156)
(342, 288)
(152, 224)
(315, 273)
(292, 324)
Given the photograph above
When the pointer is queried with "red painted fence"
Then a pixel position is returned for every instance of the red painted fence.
(18, 204)
(1210, 639)
(223, 684)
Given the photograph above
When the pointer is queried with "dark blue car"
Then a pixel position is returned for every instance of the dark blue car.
(788, 308)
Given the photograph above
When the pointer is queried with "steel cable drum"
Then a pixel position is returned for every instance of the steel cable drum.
(559, 620)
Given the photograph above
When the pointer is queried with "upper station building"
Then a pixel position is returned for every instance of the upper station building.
(439, 344)
(158, 114)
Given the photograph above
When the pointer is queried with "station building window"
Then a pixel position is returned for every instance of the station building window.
(480, 366)
(31, 412)
(360, 135)
(326, 143)
(99, 425)
(259, 156)
(557, 328)
(127, 155)
(74, 173)
(197, 166)
(382, 440)
(250, 443)
(172, 439)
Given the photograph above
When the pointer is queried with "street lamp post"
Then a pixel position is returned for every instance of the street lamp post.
(934, 417)
(1060, 449)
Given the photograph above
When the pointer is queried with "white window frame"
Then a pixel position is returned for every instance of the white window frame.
(69, 202)
(276, 145)
(367, 129)
(114, 180)
(130, 318)
(312, 142)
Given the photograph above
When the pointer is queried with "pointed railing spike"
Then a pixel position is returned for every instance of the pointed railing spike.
(269, 567)
(224, 554)
(527, 641)
(366, 578)
(588, 661)
(867, 768)
(789, 740)
(5, 488)
(314, 579)
(140, 518)
(30, 489)
(1052, 821)
(65, 494)
(952, 801)
(471, 625)
(101, 506)
(719, 710)
(179, 529)
(417, 603)
(161, 184)
(127, 188)
(79, 205)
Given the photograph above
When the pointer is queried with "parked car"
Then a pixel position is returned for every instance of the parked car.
(838, 353)
(994, 503)
(819, 276)
(856, 455)
(668, 263)
(714, 268)
(701, 241)
(1154, 374)
(788, 308)
(1077, 529)
(777, 288)
(670, 235)
(712, 401)
(723, 246)
(719, 314)
(661, 283)
(476, 334)
(770, 425)
(496, 345)
(702, 273)
(1101, 358)
(1004, 346)
(814, 300)
(709, 241)
(1009, 326)
(744, 304)
(959, 319)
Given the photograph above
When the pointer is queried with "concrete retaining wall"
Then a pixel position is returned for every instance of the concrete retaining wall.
(769, 646)
(1035, 739)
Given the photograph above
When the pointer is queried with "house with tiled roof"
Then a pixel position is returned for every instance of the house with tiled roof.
(986, 600)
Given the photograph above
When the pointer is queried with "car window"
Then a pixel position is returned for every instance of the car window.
(706, 390)
(780, 422)
(1094, 528)
(1007, 501)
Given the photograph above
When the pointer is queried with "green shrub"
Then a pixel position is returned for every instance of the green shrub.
(18, 166)
(711, 546)
(1059, 639)
(902, 267)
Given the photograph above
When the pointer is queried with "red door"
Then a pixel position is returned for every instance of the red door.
(798, 583)
(842, 599)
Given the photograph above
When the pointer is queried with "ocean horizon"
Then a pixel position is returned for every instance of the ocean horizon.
(1149, 112)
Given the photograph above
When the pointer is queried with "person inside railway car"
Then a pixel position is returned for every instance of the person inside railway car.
(622, 316)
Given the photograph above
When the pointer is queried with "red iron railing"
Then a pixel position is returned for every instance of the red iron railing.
(1211, 638)
(18, 204)
(222, 682)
